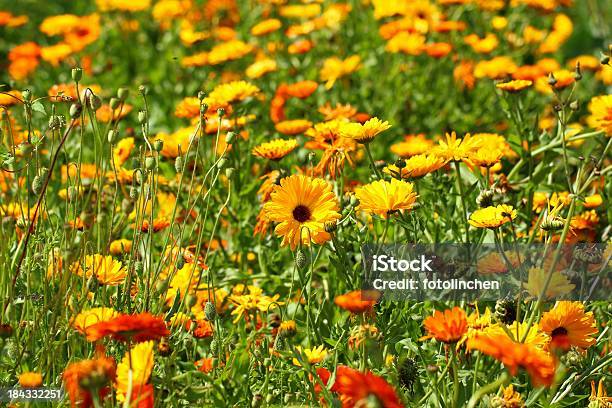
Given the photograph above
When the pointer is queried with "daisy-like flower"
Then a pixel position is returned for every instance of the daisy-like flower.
(558, 283)
(412, 145)
(448, 326)
(312, 355)
(335, 68)
(600, 396)
(122, 150)
(302, 205)
(275, 149)
(293, 127)
(568, 325)
(364, 133)
(385, 197)
(538, 363)
(486, 157)
(601, 113)
(453, 149)
(88, 318)
(266, 27)
(99, 371)
(30, 379)
(138, 328)
(421, 165)
(494, 262)
(254, 300)
(356, 388)
(140, 361)
(231, 92)
(357, 301)
(229, 51)
(107, 270)
(492, 217)
(514, 86)
(509, 398)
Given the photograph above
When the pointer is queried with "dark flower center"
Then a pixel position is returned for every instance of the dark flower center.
(559, 331)
(301, 213)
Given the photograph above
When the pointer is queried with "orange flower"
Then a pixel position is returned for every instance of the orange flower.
(358, 301)
(302, 89)
(539, 364)
(293, 127)
(357, 389)
(203, 330)
(138, 328)
(83, 377)
(568, 325)
(205, 364)
(447, 327)
(300, 47)
(438, 50)
(30, 380)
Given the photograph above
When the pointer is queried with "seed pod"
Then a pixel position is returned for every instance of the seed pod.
(301, 259)
(142, 117)
(505, 310)
(210, 311)
(77, 74)
(178, 164)
(150, 163)
(158, 145)
(27, 95)
(94, 101)
(114, 103)
(229, 172)
(37, 183)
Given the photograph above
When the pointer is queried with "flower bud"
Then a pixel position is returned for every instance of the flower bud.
(230, 137)
(77, 74)
(191, 300)
(210, 311)
(150, 163)
(75, 110)
(605, 60)
(574, 105)
(578, 72)
(27, 95)
(122, 94)
(37, 184)
(114, 103)
(158, 145)
(201, 95)
(221, 112)
(552, 81)
(485, 198)
(94, 101)
(400, 163)
(178, 164)
(330, 226)
(301, 259)
(142, 117)
(221, 163)
(112, 136)
(133, 192)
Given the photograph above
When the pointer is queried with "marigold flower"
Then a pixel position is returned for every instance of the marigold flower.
(301, 89)
(87, 376)
(486, 157)
(412, 145)
(568, 325)
(313, 355)
(514, 86)
(266, 27)
(88, 318)
(600, 108)
(421, 164)
(335, 68)
(138, 328)
(253, 301)
(275, 149)
(107, 270)
(205, 365)
(364, 133)
(261, 68)
(448, 326)
(302, 205)
(139, 360)
(120, 246)
(453, 149)
(293, 127)
(357, 302)
(558, 283)
(30, 379)
(492, 217)
(385, 198)
(228, 51)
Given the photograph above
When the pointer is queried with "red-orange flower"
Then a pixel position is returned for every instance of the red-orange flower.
(447, 327)
(79, 375)
(137, 328)
(357, 302)
(204, 329)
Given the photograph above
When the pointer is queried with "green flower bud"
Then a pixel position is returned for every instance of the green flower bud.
(229, 172)
(221, 163)
(210, 311)
(158, 145)
(301, 259)
(27, 95)
(112, 136)
(142, 117)
(37, 184)
(230, 137)
(201, 95)
(143, 90)
(77, 74)
(178, 164)
(150, 163)
(75, 110)
(122, 94)
(138, 268)
(94, 101)
(114, 103)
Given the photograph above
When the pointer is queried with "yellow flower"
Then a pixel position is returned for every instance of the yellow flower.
(514, 86)
(254, 301)
(599, 396)
(417, 166)
(517, 330)
(492, 217)
(312, 355)
(302, 205)
(228, 51)
(364, 133)
(412, 145)
(384, 198)
(123, 5)
(140, 361)
(508, 399)
(453, 149)
(106, 270)
(92, 316)
(568, 325)
(486, 157)
(231, 92)
(120, 246)
(559, 283)
(266, 27)
(601, 113)
(293, 127)
(334, 68)
(30, 380)
(275, 149)
(261, 68)
(122, 150)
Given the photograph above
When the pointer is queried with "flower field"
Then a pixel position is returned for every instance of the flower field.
(187, 188)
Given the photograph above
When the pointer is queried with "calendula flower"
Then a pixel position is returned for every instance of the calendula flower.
(275, 149)
(302, 205)
(120, 246)
(514, 86)
(568, 325)
(300, 89)
(138, 328)
(312, 355)
(107, 270)
(293, 127)
(122, 150)
(364, 133)
(228, 51)
(558, 283)
(83, 378)
(486, 157)
(287, 328)
(232, 92)
(357, 301)
(447, 327)
(266, 27)
(495, 263)
(205, 365)
(30, 379)
(355, 388)
(123, 5)
(600, 108)
(508, 399)
(493, 216)
(335, 68)
(538, 363)
(599, 396)
(421, 164)
(253, 301)
(140, 361)
(385, 197)
(453, 149)
(412, 145)
(261, 68)
(88, 318)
